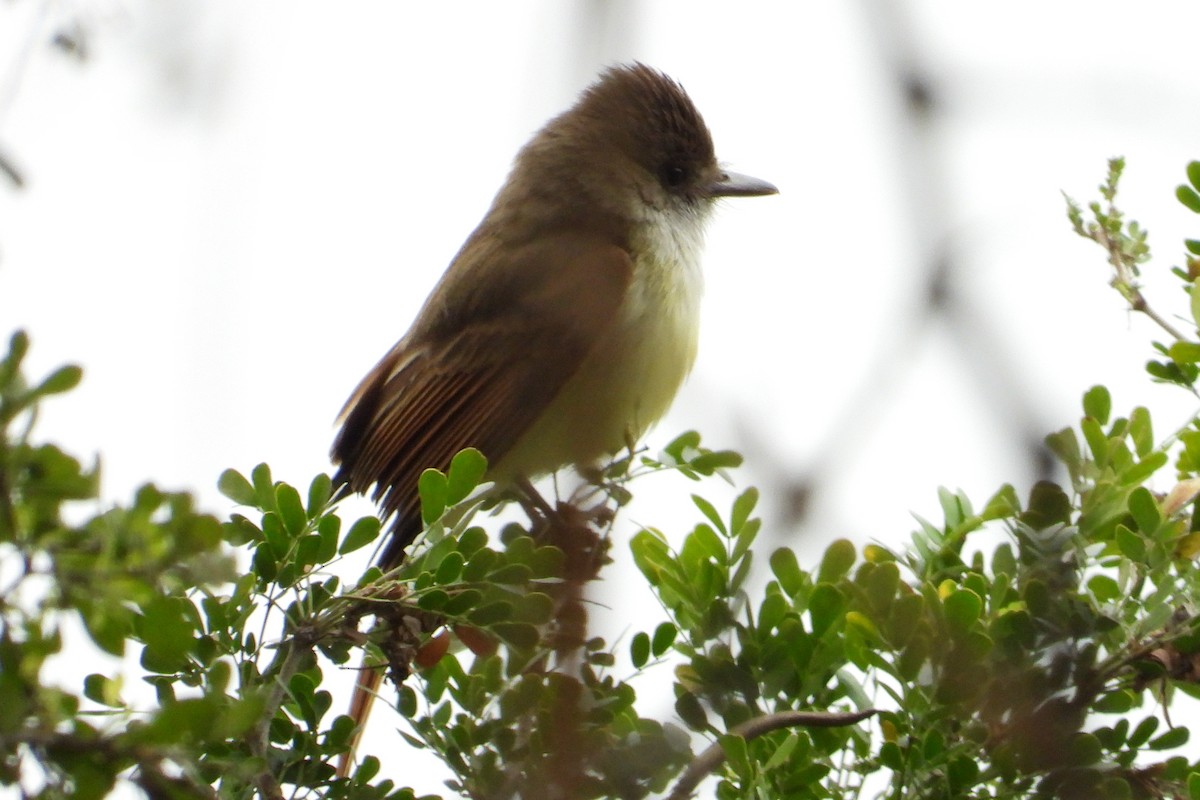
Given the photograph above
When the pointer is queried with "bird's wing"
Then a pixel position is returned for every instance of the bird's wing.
(467, 376)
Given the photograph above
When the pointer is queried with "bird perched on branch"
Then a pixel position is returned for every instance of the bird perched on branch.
(568, 320)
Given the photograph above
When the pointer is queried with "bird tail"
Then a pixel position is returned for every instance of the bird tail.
(366, 688)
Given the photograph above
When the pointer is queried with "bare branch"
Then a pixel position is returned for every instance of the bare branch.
(712, 758)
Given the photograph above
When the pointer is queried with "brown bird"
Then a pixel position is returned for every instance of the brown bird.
(568, 320)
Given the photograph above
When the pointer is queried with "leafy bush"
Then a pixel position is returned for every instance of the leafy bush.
(1042, 667)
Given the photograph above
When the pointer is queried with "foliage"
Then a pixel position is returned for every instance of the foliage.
(1027, 648)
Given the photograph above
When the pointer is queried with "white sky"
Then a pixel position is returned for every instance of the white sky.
(247, 202)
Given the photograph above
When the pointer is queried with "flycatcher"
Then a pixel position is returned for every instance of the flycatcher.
(569, 318)
(567, 321)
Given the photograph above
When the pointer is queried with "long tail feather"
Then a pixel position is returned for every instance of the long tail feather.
(365, 691)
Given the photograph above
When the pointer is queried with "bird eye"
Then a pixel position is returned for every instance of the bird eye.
(674, 175)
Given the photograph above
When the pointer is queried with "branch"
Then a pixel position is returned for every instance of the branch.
(1137, 302)
(707, 762)
(148, 762)
(9, 169)
(289, 658)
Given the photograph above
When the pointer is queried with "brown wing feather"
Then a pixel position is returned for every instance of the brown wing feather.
(478, 366)
(466, 376)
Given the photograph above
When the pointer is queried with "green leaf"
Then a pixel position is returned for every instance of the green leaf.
(825, 607)
(18, 347)
(61, 380)
(168, 627)
(962, 609)
(517, 634)
(1085, 750)
(291, 510)
(1193, 174)
(1116, 702)
(743, 507)
(707, 509)
(479, 565)
(264, 563)
(1131, 545)
(328, 529)
(308, 550)
(787, 571)
(955, 507)
(1104, 588)
(863, 624)
(1141, 432)
(234, 485)
(239, 717)
(471, 541)
(1065, 445)
(1184, 352)
(1004, 504)
(536, 608)
(449, 569)
(466, 471)
(905, 614)
(639, 650)
(708, 463)
(1194, 297)
(511, 574)
(708, 543)
(432, 600)
(91, 778)
(435, 492)
(1097, 403)
(461, 601)
(1143, 469)
(1142, 733)
(881, 584)
(1175, 737)
(276, 535)
(319, 492)
(361, 534)
(745, 538)
(839, 558)
(664, 637)
(963, 772)
(102, 690)
(691, 711)
(1144, 509)
(687, 440)
(368, 768)
(1096, 440)
(191, 718)
(264, 487)
(1003, 561)
(783, 752)
(491, 613)
(736, 753)
(1187, 195)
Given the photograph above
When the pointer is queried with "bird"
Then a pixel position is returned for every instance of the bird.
(569, 318)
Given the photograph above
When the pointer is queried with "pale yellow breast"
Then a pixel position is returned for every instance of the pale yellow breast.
(630, 379)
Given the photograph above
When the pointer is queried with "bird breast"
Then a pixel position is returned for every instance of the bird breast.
(630, 377)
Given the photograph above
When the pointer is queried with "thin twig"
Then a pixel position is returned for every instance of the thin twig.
(291, 654)
(707, 762)
(9, 169)
(1137, 302)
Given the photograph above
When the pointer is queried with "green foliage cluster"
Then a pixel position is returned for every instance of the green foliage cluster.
(1030, 648)
(125, 574)
(994, 672)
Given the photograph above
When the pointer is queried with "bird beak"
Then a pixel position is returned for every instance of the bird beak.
(732, 184)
